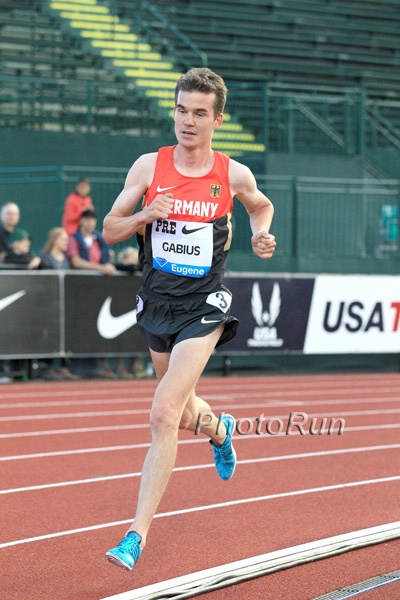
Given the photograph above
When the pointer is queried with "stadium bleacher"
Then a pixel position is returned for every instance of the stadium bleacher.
(50, 80)
(316, 41)
(111, 65)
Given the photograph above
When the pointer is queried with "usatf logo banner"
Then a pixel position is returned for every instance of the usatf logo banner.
(354, 314)
(273, 313)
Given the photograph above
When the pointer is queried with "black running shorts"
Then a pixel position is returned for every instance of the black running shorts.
(166, 321)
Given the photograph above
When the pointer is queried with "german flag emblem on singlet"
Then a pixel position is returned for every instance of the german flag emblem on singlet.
(215, 190)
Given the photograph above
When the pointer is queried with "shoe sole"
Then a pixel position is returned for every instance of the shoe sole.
(118, 562)
(234, 468)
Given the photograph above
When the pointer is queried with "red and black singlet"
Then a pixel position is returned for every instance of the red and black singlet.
(186, 253)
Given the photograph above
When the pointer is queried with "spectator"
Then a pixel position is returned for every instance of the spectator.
(54, 255)
(87, 248)
(128, 260)
(19, 252)
(9, 219)
(78, 201)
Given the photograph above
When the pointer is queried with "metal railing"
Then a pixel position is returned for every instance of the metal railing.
(283, 119)
(163, 32)
(332, 225)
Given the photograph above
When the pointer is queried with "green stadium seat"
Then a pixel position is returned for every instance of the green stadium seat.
(295, 47)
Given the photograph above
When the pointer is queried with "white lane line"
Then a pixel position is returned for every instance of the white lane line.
(83, 451)
(73, 431)
(45, 432)
(112, 400)
(248, 461)
(215, 390)
(79, 393)
(229, 399)
(139, 411)
(173, 513)
(76, 415)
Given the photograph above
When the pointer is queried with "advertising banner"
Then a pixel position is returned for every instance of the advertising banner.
(30, 314)
(273, 313)
(85, 314)
(100, 315)
(354, 314)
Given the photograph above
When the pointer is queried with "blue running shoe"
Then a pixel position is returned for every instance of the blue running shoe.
(225, 455)
(127, 552)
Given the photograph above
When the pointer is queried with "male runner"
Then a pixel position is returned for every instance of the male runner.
(184, 234)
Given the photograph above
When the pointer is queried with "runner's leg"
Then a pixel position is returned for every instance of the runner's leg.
(186, 363)
(212, 426)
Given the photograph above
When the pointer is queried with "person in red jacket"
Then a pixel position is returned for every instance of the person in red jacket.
(75, 204)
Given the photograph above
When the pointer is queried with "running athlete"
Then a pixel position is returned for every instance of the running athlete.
(184, 233)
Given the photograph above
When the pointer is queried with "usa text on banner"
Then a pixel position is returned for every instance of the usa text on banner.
(354, 314)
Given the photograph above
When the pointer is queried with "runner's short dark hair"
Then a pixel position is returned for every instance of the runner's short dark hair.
(202, 79)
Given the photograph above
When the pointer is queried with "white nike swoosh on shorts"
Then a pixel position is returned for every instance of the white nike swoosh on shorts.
(110, 327)
(205, 321)
(160, 189)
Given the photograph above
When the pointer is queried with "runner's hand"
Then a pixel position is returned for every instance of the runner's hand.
(160, 208)
(263, 244)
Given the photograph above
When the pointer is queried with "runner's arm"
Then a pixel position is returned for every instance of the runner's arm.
(122, 222)
(258, 206)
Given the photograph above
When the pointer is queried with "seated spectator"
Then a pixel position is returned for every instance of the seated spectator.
(87, 248)
(78, 201)
(19, 253)
(9, 219)
(54, 255)
(128, 260)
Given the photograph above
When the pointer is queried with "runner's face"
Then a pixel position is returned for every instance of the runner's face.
(194, 118)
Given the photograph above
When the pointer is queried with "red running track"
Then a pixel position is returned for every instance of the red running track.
(71, 455)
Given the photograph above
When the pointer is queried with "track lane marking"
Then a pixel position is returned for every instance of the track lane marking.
(205, 507)
(201, 386)
(247, 461)
(146, 426)
(231, 403)
(140, 411)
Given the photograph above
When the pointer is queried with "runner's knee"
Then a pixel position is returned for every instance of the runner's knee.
(163, 418)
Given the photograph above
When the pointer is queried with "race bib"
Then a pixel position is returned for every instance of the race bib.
(183, 248)
(221, 300)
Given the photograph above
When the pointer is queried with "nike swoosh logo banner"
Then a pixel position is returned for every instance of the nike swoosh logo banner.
(109, 326)
(100, 315)
(4, 302)
(29, 314)
(164, 189)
